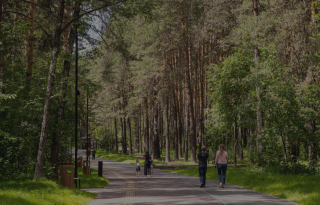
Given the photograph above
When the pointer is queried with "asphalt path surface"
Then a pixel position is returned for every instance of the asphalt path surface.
(169, 188)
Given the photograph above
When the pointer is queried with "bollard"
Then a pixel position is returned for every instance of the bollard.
(100, 167)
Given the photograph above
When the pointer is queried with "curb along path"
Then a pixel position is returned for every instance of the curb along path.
(169, 188)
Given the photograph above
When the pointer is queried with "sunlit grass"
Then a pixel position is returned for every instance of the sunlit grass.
(44, 192)
(25, 191)
(302, 189)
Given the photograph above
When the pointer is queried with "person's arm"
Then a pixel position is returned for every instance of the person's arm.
(215, 161)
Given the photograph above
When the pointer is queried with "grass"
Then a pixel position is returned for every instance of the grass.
(122, 158)
(92, 181)
(302, 189)
(24, 190)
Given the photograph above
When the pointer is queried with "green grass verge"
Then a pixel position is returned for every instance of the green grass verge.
(24, 190)
(92, 181)
(302, 189)
(122, 158)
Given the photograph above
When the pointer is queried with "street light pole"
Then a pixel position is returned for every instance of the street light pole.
(76, 106)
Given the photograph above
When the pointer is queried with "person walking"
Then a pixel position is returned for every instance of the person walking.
(146, 164)
(151, 162)
(222, 161)
(88, 153)
(203, 158)
(93, 154)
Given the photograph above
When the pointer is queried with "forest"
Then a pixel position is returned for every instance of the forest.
(159, 75)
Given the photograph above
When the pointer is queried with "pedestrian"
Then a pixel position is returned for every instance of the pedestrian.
(137, 168)
(146, 164)
(222, 162)
(203, 158)
(151, 162)
(93, 154)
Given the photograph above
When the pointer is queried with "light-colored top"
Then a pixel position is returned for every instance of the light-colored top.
(138, 164)
(222, 159)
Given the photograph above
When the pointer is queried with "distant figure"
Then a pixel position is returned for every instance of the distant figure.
(88, 153)
(151, 162)
(146, 164)
(93, 154)
(137, 168)
(203, 158)
(222, 161)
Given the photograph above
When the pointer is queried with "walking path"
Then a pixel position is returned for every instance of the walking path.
(169, 188)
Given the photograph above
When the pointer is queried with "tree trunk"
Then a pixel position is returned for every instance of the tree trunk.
(139, 130)
(235, 143)
(167, 131)
(151, 118)
(156, 132)
(116, 133)
(55, 52)
(124, 137)
(30, 40)
(62, 98)
(146, 126)
(129, 133)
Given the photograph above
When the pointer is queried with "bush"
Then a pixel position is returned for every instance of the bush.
(294, 169)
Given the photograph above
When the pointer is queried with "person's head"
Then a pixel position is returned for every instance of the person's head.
(203, 148)
(137, 161)
(221, 148)
(150, 152)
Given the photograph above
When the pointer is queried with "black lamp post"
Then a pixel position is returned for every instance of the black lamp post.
(76, 106)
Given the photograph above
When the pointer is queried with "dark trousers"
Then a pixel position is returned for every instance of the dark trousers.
(93, 156)
(202, 174)
(146, 168)
(223, 168)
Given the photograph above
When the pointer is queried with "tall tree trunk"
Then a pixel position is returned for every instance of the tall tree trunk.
(116, 133)
(124, 137)
(259, 112)
(146, 126)
(156, 131)
(235, 142)
(139, 130)
(30, 40)
(3, 4)
(129, 132)
(62, 98)
(151, 117)
(55, 52)
(167, 131)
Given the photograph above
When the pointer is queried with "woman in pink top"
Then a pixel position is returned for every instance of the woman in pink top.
(222, 160)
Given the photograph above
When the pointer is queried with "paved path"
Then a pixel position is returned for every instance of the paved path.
(169, 189)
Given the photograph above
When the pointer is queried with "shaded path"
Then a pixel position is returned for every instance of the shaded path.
(169, 188)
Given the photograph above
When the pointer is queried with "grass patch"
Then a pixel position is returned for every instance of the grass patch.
(122, 158)
(302, 189)
(43, 192)
(24, 190)
(92, 181)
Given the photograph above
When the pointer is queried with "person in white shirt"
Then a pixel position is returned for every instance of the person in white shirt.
(137, 168)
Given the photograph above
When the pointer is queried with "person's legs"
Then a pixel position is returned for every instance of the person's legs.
(224, 170)
(204, 175)
(145, 168)
(148, 168)
(201, 174)
(219, 173)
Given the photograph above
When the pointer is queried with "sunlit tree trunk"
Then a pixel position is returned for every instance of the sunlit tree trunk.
(44, 128)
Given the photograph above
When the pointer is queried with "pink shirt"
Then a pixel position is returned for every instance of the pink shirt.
(222, 159)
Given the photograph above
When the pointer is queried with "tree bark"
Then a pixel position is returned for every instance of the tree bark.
(146, 126)
(156, 131)
(129, 132)
(55, 52)
(30, 40)
(167, 131)
(62, 98)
